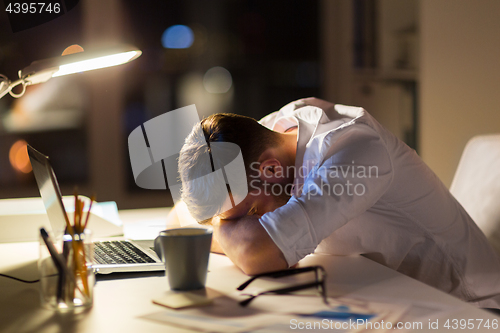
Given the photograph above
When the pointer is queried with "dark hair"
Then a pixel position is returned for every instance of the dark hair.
(252, 137)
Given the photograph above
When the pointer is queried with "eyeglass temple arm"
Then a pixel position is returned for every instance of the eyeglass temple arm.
(281, 291)
(282, 273)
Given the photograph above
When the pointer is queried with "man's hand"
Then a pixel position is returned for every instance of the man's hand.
(215, 247)
(248, 245)
(179, 216)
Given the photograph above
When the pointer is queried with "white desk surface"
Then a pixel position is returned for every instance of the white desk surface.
(119, 303)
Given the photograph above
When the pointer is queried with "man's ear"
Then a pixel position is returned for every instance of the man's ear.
(271, 170)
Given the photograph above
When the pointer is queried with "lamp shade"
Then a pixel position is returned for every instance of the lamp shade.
(42, 70)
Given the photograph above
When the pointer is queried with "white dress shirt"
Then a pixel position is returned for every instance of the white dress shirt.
(360, 190)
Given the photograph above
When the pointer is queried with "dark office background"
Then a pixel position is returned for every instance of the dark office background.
(272, 59)
(413, 64)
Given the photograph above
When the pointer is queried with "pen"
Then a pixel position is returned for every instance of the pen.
(342, 315)
(57, 262)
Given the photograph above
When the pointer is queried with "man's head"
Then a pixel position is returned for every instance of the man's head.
(263, 155)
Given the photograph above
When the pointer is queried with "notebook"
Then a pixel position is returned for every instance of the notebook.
(110, 255)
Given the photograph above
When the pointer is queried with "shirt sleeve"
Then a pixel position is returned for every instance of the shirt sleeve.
(354, 174)
(269, 120)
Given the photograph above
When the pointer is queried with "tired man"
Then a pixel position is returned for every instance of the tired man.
(329, 178)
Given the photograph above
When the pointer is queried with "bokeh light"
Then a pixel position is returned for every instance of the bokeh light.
(177, 37)
(217, 80)
(191, 90)
(75, 48)
(18, 157)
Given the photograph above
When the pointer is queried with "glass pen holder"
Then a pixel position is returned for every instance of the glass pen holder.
(67, 282)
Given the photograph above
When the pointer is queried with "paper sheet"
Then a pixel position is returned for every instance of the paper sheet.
(224, 316)
(280, 313)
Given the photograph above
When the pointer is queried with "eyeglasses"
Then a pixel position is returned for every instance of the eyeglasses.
(319, 273)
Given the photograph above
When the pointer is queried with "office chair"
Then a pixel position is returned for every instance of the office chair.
(476, 184)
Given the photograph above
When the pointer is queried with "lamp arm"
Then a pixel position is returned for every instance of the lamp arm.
(6, 86)
(15, 84)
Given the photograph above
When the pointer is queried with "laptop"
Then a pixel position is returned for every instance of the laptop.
(110, 255)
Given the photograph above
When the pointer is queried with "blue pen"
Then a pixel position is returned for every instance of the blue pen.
(342, 315)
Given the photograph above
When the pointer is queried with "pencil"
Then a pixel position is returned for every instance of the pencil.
(58, 260)
(92, 199)
(80, 267)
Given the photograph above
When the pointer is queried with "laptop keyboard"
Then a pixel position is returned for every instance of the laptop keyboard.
(119, 252)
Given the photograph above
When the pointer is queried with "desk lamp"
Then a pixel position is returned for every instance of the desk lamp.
(42, 70)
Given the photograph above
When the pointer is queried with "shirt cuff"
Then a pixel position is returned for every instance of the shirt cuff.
(291, 230)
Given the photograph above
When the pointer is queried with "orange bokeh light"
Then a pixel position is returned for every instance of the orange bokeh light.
(18, 157)
(75, 48)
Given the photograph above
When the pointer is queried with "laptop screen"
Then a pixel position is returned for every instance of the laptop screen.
(49, 191)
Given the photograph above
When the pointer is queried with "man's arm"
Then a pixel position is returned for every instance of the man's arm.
(248, 245)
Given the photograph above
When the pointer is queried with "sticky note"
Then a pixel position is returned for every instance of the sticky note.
(182, 300)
